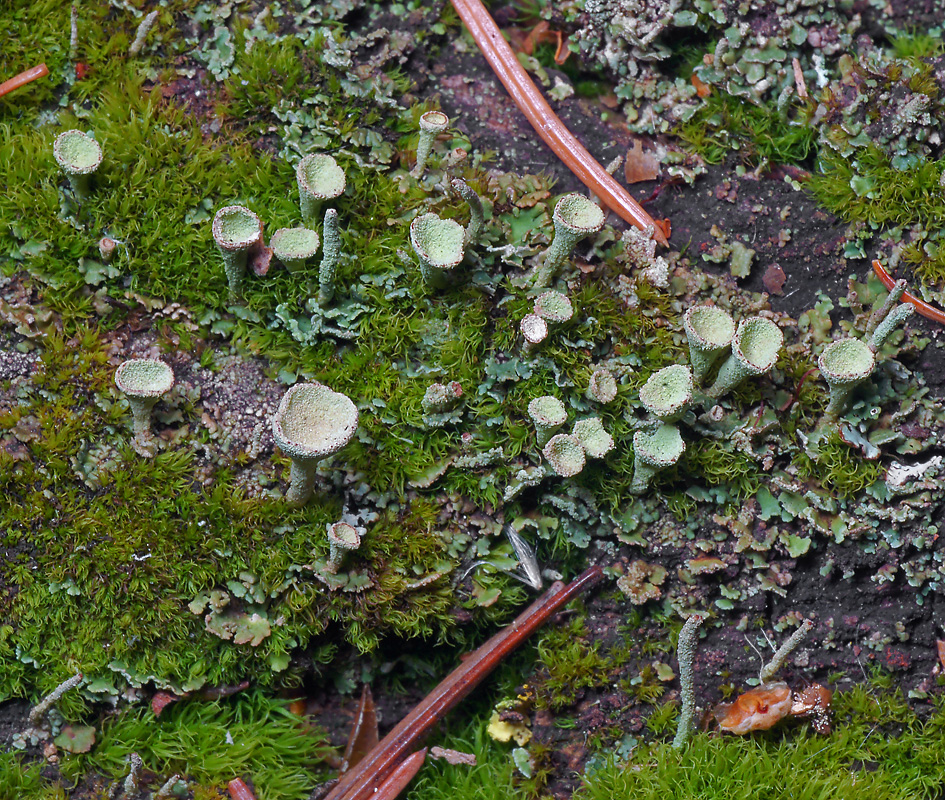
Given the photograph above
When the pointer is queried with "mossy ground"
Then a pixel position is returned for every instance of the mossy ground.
(103, 551)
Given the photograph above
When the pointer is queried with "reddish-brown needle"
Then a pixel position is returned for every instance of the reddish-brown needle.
(531, 102)
(377, 766)
(23, 78)
(925, 309)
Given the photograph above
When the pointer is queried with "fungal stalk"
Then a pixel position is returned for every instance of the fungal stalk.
(106, 249)
(709, 330)
(78, 155)
(142, 33)
(755, 349)
(653, 451)
(476, 218)
(311, 423)
(667, 393)
(38, 711)
(575, 216)
(342, 538)
(686, 657)
(236, 230)
(548, 413)
(143, 381)
(438, 244)
(432, 124)
(319, 179)
(331, 255)
(294, 246)
(892, 321)
(844, 364)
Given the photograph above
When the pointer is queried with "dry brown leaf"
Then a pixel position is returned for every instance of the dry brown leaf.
(640, 165)
(774, 279)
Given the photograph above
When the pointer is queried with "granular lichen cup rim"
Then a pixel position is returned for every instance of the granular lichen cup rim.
(77, 152)
(236, 228)
(320, 176)
(711, 326)
(578, 214)
(846, 361)
(757, 343)
(533, 328)
(313, 421)
(344, 535)
(434, 121)
(554, 306)
(294, 243)
(439, 242)
(667, 390)
(144, 377)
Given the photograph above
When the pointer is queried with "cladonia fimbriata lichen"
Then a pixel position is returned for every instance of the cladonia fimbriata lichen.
(709, 330)
(342, 538)
(331, 255)
(602, 387)
(548, 413)
(476, 218)
(755, 348)
(78, 155)
(553, 306)
(432, 124)
(439, 244)
(319, 178)
(590, 432)
(236, 230)
(143, 381)
(534, 331)
(575, 216)
(667, 393)
(294, 246)
(312, 422)
(652, 451)
(686, 656)
(566, 454)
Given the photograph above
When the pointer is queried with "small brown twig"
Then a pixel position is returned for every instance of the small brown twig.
(551, 129)
(23, 78)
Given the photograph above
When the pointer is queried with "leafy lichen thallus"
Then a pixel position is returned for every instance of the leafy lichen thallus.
(528, 571)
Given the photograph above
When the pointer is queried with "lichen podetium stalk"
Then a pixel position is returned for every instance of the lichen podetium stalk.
(534, 106)
(360, 782)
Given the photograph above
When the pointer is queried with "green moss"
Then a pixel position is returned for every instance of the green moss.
(571, 663)
(719, 464)
(839, 468)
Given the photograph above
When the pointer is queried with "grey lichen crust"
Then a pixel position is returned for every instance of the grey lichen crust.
(667, 392)
(312, 422)
(709, 330)
(294, 246)
(143, 381)
(78, 155)
(319, 178)
(575, 216)
(235, 229)
(439, 245)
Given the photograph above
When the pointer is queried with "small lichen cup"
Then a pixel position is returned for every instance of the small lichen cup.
(236, 230)
(342, 538)
(78, 155)
(294, 246)
(143, 381)
(653, 451)
(596, 442)
(554, 306)
(602, 387)
(534, 331)
(548, 413)
(319, 179)
(432, 124)
(844, 364)
(667, 393)
(755, 349)
(311, 423)
(710, 330)
(439, 244)
(566, 454)
(575, 216)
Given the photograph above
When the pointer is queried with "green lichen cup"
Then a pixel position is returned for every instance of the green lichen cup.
(342, 538)
(294, 246)
(78, 155)
(755, 349)
(709, 330)
(566, 454)
(432, 124)
(667, 393)
(319, 178)
(653, 451)
(548, 413)
(311, 423)
(844, 365)
(236, 230)
(143, 381)
(439, 244)
(575, 216)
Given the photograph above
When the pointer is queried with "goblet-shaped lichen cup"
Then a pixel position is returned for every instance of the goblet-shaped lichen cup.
(755, 349)
(432, 124)
(534, 331)
(236, 230)
(311, 423)
(596, 442)
(554, 306)
(844, 364)
(342, 538)
(575, 216)
(319, 178)
(602, 387)
(439, 244)
(667, 393)
(566, 454)
(294, 246)
(143, 381)
(710, 331)
(78, 155)
(548, 413)
(653, 451)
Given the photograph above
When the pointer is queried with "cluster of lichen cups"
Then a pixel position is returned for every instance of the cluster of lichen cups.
(143, 381)
(567, 452)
